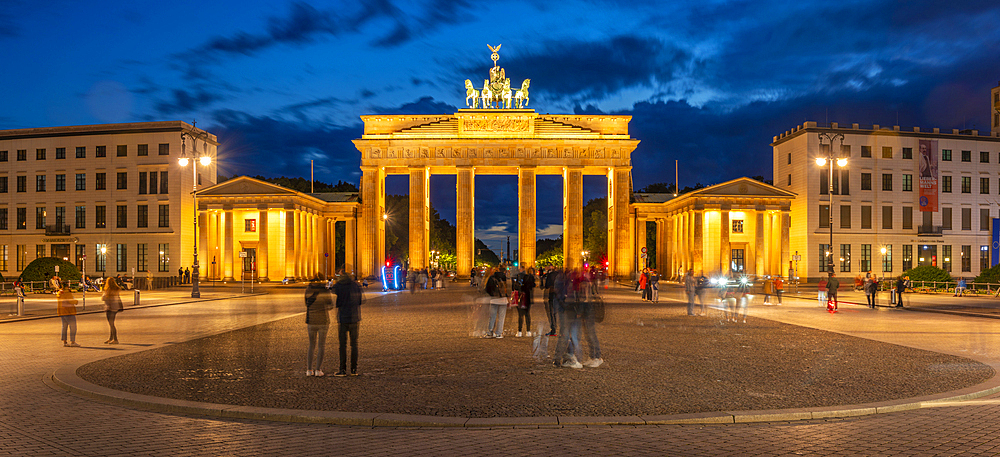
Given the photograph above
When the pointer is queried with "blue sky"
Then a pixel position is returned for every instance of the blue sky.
(707, 82)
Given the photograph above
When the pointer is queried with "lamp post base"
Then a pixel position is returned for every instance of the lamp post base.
(195, 290)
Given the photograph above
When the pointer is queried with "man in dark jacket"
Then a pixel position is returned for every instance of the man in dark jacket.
(348, 316)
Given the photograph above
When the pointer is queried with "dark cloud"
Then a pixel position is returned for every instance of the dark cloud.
(184, 101)
(424, 105)
(595, 69)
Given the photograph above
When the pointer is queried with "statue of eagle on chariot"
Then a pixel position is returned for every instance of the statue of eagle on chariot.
(496, 93)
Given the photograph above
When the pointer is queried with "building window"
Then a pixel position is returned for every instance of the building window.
(121, 217)
(142, 150)
(946, 218)
(3, 156)
(152, 182)
(101, 256)
(3, 184)
(40, 217)
(102, 181)
(887, 182)
(40, 183)
(39, 154)
(122, 150)
(946, 155)
(887, 218)
(908, 153)
(81, 217)
(907, 257)
(141, 261)
(984, 258)
(946, 253)
(22, 218)
(966, 156)
(163, 182)
(789, 179)
(121, 261)
(866, 181)
(142, 216)
(907, 218)
(886, 152)
(3, 257)
(984, 185)
(100, 214)
(866, 257)
(824, 256)
(101, 151)
(737, 225)
(824, 216)
(40, 251)
(966, 184)
(866, 217)
(966, 258)
(845, 258)
(164, 216)
(22, 183)
(142, 182)
(81, 152)
(60, 153)
(164, 149)
(81, 253)
(946, 184)
(789, 158)
(250, 225)
(81, 181)
(907, 183)
(60, 183)
(866, 151)
(3, 218)
(22, 155)
(163, 260)
(887, 258)
(984, 157)
(61, 218)
(122, 180)
(966, 218)
(984, 219)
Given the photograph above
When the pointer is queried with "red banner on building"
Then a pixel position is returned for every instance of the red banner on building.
(928, 175)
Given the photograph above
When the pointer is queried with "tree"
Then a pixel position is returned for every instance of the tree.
(302, 184)
(668, 188)
(927, 273)
(550, 252)
(484, 255)
(595, 228)
(42, 266)
(763, 180)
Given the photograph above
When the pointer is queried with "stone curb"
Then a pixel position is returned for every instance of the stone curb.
(65, 378)
(80, 313)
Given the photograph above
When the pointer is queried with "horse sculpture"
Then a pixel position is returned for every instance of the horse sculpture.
(487, 95)
(471, 95)
(522, 95)
(505, 93)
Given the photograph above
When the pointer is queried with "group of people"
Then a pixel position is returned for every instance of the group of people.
(184, 275)
(571, 306)
(649, 283)
(424, 278)
(319, 301)
(66, 309)
(828, 290)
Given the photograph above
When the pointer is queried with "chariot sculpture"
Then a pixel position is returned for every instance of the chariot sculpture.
(496, 92)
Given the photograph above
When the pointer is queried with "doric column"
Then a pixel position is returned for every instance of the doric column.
(297, 242)
(213, 246)
(619, 191)
(204, 250)
(641, 243)
(331, 246)
(228, 261)
(786, 222)
(371, 233)
(526, 216)
(465, 220)
(263, 262)
(419, 220)
(699, 239)
(725, 248)
(662, 250)
(315, 245)
(572, 217)
(289, 243)
(762, 253)
(350, 246)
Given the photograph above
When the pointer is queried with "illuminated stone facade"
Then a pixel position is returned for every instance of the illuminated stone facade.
(489, 142)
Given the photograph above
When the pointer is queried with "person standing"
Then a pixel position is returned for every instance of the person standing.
(779, 288)
(187, 276)
(348, 319)
(318, 302)
(768, 290)
(869, 286)
(832, 286)
(496, 288)
(900, 287)
(66, 308)
(690, 288)
(112, 306)
(527, 281)
(180, 275)
(654, 285)
(548, 287)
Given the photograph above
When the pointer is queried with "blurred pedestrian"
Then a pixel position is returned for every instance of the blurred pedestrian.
(496, 288)
(349, 297)
(779, 288)
(832, 288)
(112, 306)
(318, 303)
(66, 308)
(768, 290)
(868, 284)
(691, 289)
(901, 285)
(527, 281)
(548, 286)
(821, 292)
(654, 285)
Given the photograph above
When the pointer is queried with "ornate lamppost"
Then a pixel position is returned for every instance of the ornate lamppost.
(841, 162)
(204, 160)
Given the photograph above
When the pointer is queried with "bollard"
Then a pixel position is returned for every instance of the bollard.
(20, 306)
(136, 302)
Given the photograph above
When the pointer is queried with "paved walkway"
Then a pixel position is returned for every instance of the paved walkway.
(38, 419)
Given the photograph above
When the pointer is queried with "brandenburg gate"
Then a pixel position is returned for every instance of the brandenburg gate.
(495, 139)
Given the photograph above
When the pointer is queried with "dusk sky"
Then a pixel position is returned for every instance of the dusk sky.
(707, 82)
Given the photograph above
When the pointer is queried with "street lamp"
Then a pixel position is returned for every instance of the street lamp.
(883, 261)
(205, 160)
(841, 162)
